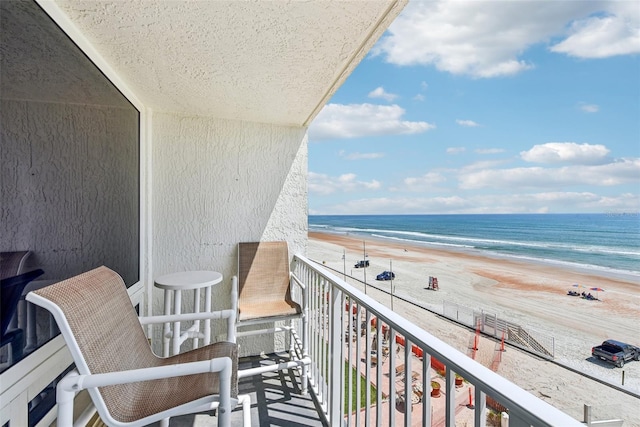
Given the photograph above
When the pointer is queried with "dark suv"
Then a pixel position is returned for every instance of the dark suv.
(386, 275)
(362, 264)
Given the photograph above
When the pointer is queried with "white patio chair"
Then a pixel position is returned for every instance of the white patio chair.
(128, 384)
(264, 297)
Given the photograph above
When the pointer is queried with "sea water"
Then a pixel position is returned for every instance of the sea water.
(608, 242)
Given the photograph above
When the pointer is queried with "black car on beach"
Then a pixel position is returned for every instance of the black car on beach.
(386, 275)
(616, 352)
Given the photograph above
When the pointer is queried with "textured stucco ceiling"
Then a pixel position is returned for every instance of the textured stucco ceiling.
(263, 61)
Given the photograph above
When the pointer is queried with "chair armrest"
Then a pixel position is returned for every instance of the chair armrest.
(303, 287)
(234, 294)
(79, 382)
(297, 281)
(72, 383)
(186, 317)
(229, 314)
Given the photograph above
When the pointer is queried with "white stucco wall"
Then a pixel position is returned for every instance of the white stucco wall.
(216, 183)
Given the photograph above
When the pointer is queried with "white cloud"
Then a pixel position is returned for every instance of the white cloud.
(357, 120)
(566, 152)
(418, 97)
(487, 39)
(556, 201)
(489, 150)
(606, 35)
(379, 92)
(493, 203)
(456, 150)
(589, 108)
(398, 205)
(324, 184)
(622, 171)
(360, 156)
(482, 165)
(467, 123)
(425, 182)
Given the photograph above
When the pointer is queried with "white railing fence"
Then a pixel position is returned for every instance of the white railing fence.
(370, 366)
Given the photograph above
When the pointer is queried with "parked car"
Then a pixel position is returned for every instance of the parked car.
(616, 352)
(386, 275)
(362, 264)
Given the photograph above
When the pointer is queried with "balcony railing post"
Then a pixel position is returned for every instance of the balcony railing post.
(322, 345)
(336, 363)
(480, 415)
(450, 397)
(357, 361)
(408, 382)
(392, 375)
(347, 372)
(517, 421)
(379, 339)
(367, 349)
(426, 388)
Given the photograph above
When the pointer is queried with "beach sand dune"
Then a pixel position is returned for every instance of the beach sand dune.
(533, 295)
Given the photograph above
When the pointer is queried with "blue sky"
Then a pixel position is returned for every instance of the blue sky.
(487, 107)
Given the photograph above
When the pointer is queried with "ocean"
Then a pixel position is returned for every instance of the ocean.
(604, 242)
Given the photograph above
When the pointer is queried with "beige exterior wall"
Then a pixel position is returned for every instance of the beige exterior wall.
(219, 182)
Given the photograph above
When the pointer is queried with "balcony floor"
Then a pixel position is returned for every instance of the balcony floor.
(276, 400)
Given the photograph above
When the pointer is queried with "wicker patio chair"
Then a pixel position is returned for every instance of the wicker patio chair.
(264, 297)
(128, 384)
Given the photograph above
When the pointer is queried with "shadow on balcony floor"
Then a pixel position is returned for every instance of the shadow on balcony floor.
(276, 400)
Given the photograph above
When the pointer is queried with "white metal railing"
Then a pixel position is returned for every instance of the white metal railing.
(351, 346)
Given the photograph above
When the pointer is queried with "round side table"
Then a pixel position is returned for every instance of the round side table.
(175, 283)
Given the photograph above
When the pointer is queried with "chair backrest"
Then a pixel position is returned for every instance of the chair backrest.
(100, 326)
(263, 272)
(94, 312)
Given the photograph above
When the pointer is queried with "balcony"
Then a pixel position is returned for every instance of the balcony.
(353, 337)
(358, 347)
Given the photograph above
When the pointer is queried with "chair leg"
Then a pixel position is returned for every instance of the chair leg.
(245, 400)
(292, 350)
(224, 407)
(223, 417)
(305, 351)
(65, 394)
(305, 380)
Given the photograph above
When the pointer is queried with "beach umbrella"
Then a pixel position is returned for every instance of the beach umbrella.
(597, 290)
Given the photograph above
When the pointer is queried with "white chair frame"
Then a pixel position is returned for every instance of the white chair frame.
(73, 382)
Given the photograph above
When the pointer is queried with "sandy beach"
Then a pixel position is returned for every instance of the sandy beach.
(531, 294)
